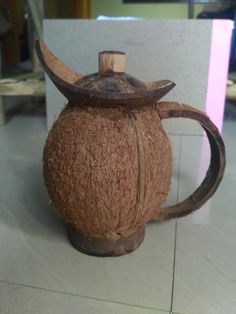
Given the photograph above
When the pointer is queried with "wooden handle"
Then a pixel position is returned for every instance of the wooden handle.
(215, 171)
(112, 61)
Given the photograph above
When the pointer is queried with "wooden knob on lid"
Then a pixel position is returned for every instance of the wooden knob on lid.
(112, 61)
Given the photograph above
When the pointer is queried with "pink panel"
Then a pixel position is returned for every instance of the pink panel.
(218, 70)
(215, 100)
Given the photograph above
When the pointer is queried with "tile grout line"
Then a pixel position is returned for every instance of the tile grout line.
(173, 272)
(176, 225)
(81, 296)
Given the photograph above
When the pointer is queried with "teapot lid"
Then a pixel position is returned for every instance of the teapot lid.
(108, 87)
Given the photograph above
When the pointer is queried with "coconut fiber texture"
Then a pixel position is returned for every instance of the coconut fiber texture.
(107, 170)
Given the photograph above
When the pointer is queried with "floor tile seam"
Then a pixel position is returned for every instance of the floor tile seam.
(80, 296)
(176, 225)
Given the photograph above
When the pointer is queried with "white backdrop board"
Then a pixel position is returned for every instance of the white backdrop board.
(178, 50)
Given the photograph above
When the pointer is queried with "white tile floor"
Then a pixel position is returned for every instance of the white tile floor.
(186, 267)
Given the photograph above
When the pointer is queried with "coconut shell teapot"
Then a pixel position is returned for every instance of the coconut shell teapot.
(107, 160)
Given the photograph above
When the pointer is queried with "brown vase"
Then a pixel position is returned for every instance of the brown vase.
(108, 162)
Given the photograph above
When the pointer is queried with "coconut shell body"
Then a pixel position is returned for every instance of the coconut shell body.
(107, 170)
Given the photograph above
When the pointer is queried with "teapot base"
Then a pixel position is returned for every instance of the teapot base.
(103, 246)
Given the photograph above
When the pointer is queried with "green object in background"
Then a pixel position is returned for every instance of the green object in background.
(149, 11)
(232, 76)
(2, 108)
(2, 111)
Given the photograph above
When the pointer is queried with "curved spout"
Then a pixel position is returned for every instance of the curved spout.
(61, 75)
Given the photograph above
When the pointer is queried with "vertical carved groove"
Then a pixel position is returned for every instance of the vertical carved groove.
(140, 195)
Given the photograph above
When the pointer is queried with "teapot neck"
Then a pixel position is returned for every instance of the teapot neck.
(111, 62)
